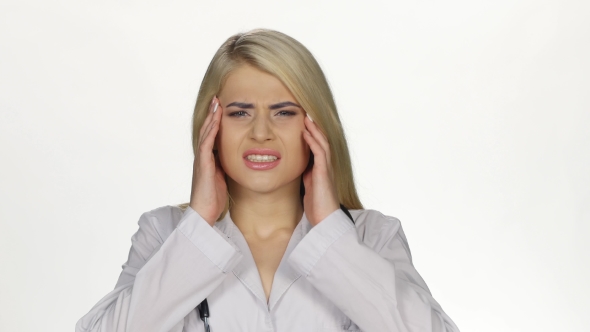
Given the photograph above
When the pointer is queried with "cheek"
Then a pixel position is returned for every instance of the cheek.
(227, 137)
(227, 146)
(299, 149)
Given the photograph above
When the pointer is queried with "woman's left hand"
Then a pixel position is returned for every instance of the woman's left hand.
(321, 198)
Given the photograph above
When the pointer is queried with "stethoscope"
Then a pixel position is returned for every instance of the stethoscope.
(203, 308)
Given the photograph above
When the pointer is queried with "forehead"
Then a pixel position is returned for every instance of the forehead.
(250, 83)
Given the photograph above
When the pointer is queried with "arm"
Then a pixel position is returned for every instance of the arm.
(163, 280)
(377, 288)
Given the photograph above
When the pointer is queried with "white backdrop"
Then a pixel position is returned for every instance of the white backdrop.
(469, 121)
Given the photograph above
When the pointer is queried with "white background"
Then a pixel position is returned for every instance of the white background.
(467, 120)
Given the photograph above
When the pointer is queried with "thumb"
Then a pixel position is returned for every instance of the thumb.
(307, 179)
(218, 162)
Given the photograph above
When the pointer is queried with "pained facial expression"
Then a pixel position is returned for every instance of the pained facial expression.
(260, 112)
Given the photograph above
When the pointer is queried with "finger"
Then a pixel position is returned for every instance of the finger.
(211, 133)
(209, 138)
(318, 135)
(218, 163)
(206, 131)
(311, 123)
(209, 118)
(322, 141)
(307, 178)
(205, 127)
(218, 111)
(215, 118)
(319, 153)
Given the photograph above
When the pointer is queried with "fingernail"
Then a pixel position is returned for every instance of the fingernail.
(215, 108)
(309, 117)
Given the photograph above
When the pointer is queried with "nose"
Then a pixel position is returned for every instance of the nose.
(262, 128)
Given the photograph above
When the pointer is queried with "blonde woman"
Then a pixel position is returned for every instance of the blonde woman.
(274, 237)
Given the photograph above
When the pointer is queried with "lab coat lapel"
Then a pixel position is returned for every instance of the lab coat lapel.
(285, 275)
(247, 272)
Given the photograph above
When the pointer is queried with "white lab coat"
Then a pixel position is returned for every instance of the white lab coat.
(336, 276)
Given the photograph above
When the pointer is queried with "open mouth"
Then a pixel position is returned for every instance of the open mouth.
(261, 162)
(261, 158)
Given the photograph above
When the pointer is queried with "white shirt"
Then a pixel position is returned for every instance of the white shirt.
(336, 276)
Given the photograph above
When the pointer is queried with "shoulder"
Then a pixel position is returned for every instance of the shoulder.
(375, 228)
(163, 220)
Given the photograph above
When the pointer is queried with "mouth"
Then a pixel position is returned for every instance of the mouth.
(257, 158)
(259, 153)
(261, 165)
(261, 159)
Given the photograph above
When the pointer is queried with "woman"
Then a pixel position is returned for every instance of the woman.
(267, 238)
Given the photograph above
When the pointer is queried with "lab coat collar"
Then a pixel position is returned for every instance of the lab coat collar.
(247, 272)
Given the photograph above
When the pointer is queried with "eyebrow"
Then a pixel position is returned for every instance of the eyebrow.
(272, 107)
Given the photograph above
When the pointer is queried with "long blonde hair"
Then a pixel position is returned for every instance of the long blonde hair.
(292, 63)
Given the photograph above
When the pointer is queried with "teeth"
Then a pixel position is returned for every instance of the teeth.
(261, 158)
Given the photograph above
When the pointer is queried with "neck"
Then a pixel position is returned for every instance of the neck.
(261, 215)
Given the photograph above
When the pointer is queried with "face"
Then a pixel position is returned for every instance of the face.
(259, 112)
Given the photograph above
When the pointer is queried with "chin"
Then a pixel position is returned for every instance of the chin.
(264, 184)
(260, 185)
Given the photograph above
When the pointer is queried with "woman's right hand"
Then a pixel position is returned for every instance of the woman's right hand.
(209, 190)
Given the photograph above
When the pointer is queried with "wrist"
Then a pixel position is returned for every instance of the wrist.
(200, 211)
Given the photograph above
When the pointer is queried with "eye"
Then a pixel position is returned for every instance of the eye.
(286, 113)
(238, 114)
